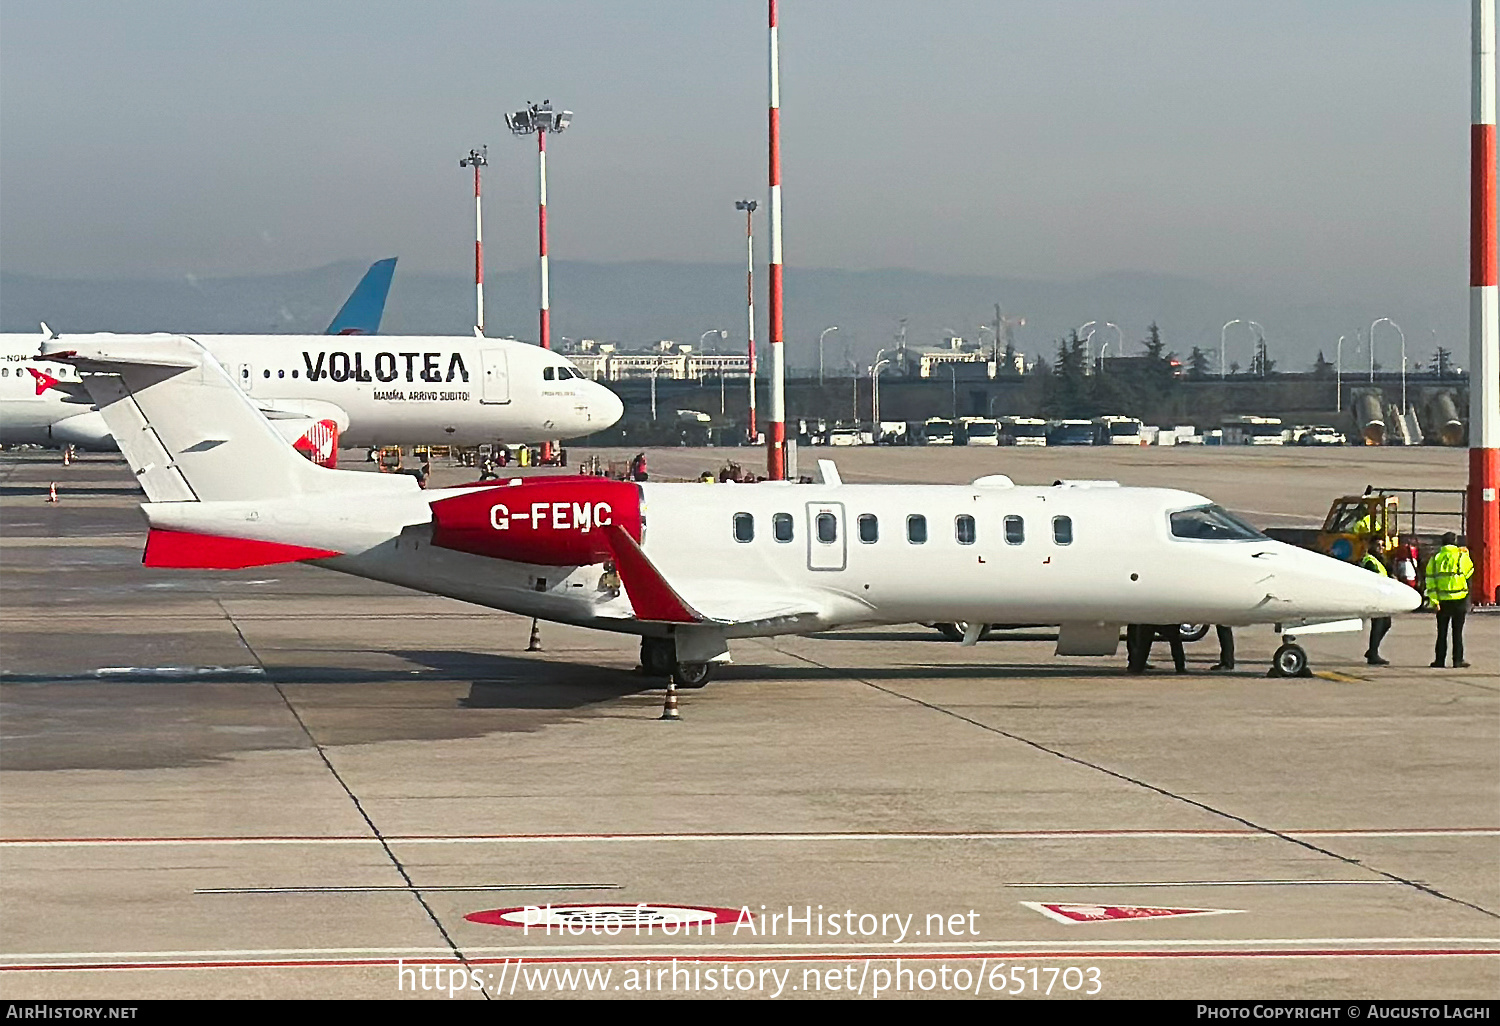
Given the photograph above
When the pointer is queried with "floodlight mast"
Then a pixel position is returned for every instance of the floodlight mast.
(748, 206)
(539, 119)
(776, 437)
(477, 159)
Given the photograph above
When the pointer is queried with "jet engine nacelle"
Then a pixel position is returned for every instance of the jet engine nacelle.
(552, 521)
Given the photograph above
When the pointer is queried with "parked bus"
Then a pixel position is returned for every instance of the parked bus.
(938, 431)
(1071, 432)
(981, 430)
(1254, 431)
(1117, 431)
(1023, 431)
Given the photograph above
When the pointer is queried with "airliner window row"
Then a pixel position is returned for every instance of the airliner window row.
(826, 528)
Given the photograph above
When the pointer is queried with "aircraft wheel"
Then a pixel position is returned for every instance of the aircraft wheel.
(1192, 631)
(693, 675)
(956, 631)
(1289, 661)
(658, 656)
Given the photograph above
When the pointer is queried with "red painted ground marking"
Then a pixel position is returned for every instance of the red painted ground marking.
(1082, 912)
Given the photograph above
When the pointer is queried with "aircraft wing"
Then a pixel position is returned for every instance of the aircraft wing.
(654, 599)
(361, 312)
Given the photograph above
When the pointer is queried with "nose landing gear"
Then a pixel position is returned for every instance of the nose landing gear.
(1290, 660)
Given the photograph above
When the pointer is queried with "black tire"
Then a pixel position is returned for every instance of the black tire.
(1289, 661)
(956, 631)
(1192, 631)
(693, 675)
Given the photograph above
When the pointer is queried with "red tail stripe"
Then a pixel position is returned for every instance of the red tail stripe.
(185, 550)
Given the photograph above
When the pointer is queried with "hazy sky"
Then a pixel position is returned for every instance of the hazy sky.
(1317, 146)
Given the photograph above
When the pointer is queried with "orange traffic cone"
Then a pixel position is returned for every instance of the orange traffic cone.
(669, 710)
(535, 644)
(52, 492)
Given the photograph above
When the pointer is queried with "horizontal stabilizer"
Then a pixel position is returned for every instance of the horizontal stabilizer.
(185, 550)
(650, 595)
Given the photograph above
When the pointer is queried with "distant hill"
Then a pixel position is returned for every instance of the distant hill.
(638, 303)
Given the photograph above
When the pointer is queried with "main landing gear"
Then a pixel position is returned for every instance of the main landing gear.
(659, 659)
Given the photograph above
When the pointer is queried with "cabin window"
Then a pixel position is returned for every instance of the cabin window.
(4, 372)
(547, 373)
(828, 528)
(916, 529)
(781, 527)
(265, 373)
(294, 372)
(744, 527)
(281, 374)
(963, 529)
(1062, 530)
(1015, 530)
(869, 529)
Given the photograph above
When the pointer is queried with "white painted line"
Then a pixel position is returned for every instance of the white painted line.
(792, 838)
(402, 889)
(707, 948)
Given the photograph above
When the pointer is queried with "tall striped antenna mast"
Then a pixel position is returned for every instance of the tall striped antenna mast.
(1484, 320)
(776, 436)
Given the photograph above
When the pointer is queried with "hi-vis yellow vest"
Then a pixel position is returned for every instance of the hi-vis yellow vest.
(1448, 573)
(1372, 563)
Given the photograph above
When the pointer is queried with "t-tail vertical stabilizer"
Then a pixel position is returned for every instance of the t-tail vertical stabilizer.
(188, 431)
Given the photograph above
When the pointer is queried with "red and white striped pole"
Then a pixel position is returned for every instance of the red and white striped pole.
(776, 436)
(541, 153)
(1484, 321)
(478, 159)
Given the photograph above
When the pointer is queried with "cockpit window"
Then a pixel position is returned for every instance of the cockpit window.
(547, 373)
(1211, 523)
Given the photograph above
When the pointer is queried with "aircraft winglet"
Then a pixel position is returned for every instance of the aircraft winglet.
(650, 595)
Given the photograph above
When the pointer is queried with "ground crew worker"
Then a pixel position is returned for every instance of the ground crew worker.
(1226, 648)
(1139, 637)
(1373, 561)
(1448, 573)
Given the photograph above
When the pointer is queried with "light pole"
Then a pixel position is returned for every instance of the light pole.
(875, 398)
(1223, 335)
(748, 206)
(1086, 332)
(654, 368)
(477, 159)
(822, 336)
(874, 394)
(1338, 376)
(1387, 320)
(538, 120)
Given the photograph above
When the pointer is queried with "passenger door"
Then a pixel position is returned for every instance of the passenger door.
(827, 545)
(496, 387)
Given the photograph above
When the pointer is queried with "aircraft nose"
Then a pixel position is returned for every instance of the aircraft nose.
(605, 408)
(1396, 597)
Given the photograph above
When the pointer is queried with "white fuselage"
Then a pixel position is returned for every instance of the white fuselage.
(1122, 565)
(391, 389)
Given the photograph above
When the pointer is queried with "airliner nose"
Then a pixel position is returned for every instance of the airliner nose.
(1396, 597)
(605, 408)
